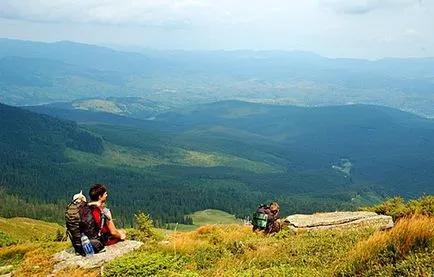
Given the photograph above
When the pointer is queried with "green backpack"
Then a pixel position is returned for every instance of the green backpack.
(260, 220)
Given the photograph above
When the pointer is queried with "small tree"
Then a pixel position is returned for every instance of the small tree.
(144, 228)
(144, 224)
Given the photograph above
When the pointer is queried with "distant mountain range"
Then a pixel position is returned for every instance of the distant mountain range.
(34, 73)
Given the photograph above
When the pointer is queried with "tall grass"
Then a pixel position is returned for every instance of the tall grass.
(406, 250)
(234, 250)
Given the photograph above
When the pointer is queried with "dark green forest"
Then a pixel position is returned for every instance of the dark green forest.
(229, 156)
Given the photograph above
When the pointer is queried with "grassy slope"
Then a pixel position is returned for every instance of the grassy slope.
(116, 155)
(233, 250)
(220, 250)
(213, 217)
(209, 216)
(26, 229)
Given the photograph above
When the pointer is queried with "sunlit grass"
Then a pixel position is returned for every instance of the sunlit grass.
(405, 249)
(211, 216)
(234, 250)
(115, 156)
(99, 105)
(26, 229)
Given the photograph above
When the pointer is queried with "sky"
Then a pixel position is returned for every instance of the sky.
(369, 29)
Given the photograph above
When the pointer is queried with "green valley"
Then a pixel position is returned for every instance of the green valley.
(229, 156)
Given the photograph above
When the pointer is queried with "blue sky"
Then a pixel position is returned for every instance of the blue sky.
(335, 28)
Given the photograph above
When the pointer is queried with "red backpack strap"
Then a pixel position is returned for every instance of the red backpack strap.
(98, 215)
(102, 220)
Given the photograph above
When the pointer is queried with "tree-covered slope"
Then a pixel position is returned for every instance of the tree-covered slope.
(155, 170)
(32, 146)
(26, 136)
(383, 146)
(369, 144)
(228, 156)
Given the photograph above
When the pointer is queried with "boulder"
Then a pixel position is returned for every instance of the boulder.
(6, 271)
(337, 220)
(68, 257)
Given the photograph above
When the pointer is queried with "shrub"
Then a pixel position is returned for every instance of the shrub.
(424, 205)
(397, 208)
(144, 229)
(394, 207)
(144, 264)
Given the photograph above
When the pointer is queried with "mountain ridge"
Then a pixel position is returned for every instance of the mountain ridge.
(182, 78)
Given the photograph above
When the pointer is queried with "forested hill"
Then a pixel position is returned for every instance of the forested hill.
(27, 136)
(228, 155)
(385, 146)
(377, 145)
(32, 145)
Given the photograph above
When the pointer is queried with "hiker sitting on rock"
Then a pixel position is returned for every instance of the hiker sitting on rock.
(109, 233)
(266, 219)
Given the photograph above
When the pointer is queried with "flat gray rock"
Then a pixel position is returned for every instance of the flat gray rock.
(337, 220)
(68, 257)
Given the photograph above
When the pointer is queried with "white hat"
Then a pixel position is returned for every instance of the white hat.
(79, 196)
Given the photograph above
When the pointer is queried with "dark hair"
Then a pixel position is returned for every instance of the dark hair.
(96, 191)
(274, 206)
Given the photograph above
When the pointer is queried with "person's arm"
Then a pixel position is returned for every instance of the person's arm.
(273, 216)
(114, 231)
(119, 234)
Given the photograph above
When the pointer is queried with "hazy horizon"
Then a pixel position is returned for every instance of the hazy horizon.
(143, 50)
(369, 29)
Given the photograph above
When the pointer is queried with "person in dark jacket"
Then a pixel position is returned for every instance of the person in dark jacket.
(274, 224)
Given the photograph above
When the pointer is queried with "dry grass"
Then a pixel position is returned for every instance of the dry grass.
(415, 232)
(31, 259)
(206, 236)
(410, 235)
(234, 250)
(78, 272)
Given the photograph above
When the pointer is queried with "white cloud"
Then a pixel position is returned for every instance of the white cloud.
(366, 6)
(368, 28)
(145, 11)
(96, 11)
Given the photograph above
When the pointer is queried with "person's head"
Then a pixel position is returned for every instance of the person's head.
(274, 207)
(98, 192)
(79, 197)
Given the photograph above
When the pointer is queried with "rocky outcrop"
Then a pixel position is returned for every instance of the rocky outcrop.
(6, 271)
(337, 220)
(68, 257)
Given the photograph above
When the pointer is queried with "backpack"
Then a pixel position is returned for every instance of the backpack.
(79, 220)
(260, 218)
